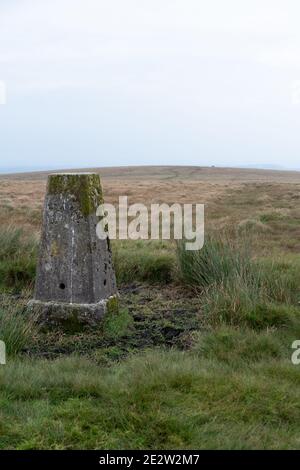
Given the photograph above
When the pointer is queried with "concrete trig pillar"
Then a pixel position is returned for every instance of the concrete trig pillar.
(75, 281)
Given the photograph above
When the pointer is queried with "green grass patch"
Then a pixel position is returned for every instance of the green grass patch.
(272, 216)
(17, 325)
(117, 324)
(240, 346)
(236, 290)
(17, 259)
(239, 302)
(172, 369)
(158, 399)
(143, 260)
(219, 259)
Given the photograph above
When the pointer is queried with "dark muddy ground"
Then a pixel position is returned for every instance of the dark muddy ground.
(149, 316)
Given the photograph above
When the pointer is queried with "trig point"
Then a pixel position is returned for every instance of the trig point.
(75, 282)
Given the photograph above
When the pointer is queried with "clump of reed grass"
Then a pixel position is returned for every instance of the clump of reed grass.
(235, 289)
(18, 324)
(17, 258)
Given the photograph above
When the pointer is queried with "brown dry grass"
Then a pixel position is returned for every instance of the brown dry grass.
(266, 202)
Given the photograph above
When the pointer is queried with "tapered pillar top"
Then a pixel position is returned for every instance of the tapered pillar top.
(84, 188)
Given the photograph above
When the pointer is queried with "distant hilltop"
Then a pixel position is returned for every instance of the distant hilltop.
(50, 168)
(267, 166)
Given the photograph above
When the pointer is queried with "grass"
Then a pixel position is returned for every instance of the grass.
(282, 279)
(158, 399)
(240, 347)
(151, 261)
(235, 289)
(199, 356)
(226, 383)
(219, 259)
(238, 302)
(17, 259)
(17, 326)
(117, 325)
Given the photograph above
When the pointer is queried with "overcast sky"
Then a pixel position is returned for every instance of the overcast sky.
(122, 82)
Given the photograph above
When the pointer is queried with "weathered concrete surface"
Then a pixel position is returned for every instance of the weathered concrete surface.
(73, 317)
(75, 277)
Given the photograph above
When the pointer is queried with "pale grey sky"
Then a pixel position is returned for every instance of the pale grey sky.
(122, 82)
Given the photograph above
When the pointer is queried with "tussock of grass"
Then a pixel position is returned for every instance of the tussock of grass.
(219, 259)
(17, 258)
(275, 215)
(239, 302)
(17, 325)
(235, 290)
(117, 324)
(282, 280)
(253, 225)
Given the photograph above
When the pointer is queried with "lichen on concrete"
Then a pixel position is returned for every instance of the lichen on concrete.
(84, 187)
